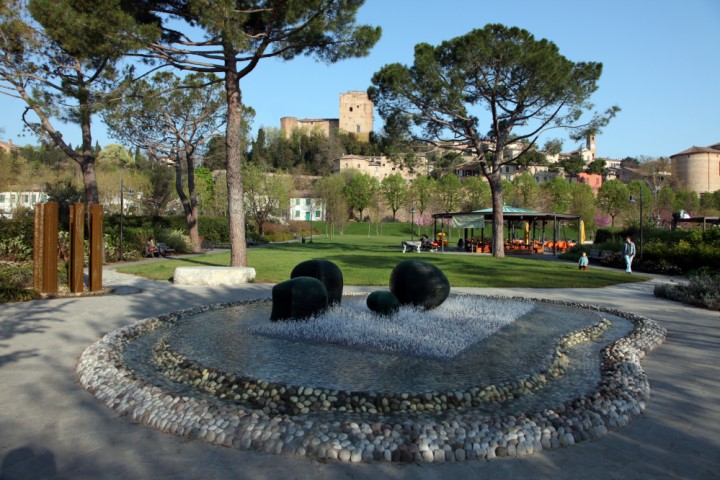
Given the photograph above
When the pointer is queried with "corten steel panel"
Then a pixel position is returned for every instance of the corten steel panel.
(96, 247)
(38, 247)
(50, 248)
(77, 244)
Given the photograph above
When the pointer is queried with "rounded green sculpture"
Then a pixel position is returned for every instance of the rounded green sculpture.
(298, 298)
(383, 302)
(325, 271)
(420, 283)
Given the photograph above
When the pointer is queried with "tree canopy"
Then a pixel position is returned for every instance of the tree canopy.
(233, 37)
(485, 90)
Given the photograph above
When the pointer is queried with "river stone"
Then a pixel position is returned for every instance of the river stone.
(325, 271)
(298, 298)
(419, 283)
(383, 302)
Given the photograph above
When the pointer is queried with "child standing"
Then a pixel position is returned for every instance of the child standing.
(583, 262)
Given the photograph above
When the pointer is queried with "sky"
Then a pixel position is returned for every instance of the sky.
(660, 66)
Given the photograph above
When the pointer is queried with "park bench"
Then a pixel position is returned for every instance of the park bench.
(162, 250)
(408, 245)
(598, 255)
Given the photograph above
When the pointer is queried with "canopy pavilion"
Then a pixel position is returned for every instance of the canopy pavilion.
(517, 220)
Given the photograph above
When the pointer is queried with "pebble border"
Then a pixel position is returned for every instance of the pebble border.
(424, 436)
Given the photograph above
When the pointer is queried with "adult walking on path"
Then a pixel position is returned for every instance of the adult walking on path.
(52, 428)
(628, 254)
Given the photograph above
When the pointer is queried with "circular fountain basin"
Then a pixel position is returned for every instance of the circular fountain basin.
(557, 374)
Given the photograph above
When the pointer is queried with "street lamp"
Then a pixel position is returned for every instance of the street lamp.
(122, 216)
(632, 200)
(412, 224)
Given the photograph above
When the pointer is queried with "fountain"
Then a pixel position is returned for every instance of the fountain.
(408, 380)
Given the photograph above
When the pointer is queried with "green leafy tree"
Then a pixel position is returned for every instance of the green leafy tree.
(448, 192)
(582, 202)
(267, 196)
(394, 189)
(665, 203)
(613, 197)
(214, 154)
(598, 167)
(523, 85)
(688, 201)
(65, 193)
(572, 165)
(636, 188)
(331, 190)
(475, 194)
(171, 118)
(360, 193)
(114, 157)
(61, 67)
(555, 195)
(233, 38)
(525, 191)
(421, 193)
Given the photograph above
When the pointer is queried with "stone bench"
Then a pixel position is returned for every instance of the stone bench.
(213, 275)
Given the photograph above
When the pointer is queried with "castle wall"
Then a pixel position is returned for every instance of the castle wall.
(322, 125)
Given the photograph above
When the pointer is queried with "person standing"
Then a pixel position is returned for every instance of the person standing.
(628, 254)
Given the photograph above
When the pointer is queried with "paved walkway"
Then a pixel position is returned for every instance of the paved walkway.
(52, 428)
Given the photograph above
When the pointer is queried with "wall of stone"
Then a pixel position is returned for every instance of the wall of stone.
(698, 172)
(356, 114)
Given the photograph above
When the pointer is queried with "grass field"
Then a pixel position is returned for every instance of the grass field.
(368, 260)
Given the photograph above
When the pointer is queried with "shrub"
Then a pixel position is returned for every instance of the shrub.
(15, 282)
(703, 290)
(214, 229)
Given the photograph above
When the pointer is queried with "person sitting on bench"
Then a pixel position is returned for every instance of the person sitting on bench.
(151, 250)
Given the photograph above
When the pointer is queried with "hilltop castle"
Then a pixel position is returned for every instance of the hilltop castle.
(356, 116)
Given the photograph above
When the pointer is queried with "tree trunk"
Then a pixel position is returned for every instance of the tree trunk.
(498, 246)
(87, 160)
(190, 204)
(233, 146)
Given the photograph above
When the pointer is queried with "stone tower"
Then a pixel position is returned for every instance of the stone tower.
(698, 168)
(356, 114)
(590, 145)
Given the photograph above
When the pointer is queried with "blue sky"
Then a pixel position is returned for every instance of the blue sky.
(660, 65)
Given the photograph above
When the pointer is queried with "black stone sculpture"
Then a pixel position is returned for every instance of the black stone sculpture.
(325, 271)
(298, 298)
(383, 302)
(420, 283)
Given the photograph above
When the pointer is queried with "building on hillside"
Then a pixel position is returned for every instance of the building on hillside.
(380, 167)
(11, 201)
(698, 168)
(541, 173)
(305, 206)
(627, 174)
(613, 167)
(587, 153)
(9, 147)
(355, 116)
(593, 179)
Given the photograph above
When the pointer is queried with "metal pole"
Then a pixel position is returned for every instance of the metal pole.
(412, 223)
(122, 214)
(641, 223)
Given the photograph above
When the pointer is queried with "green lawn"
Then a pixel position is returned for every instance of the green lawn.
(369, 260)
